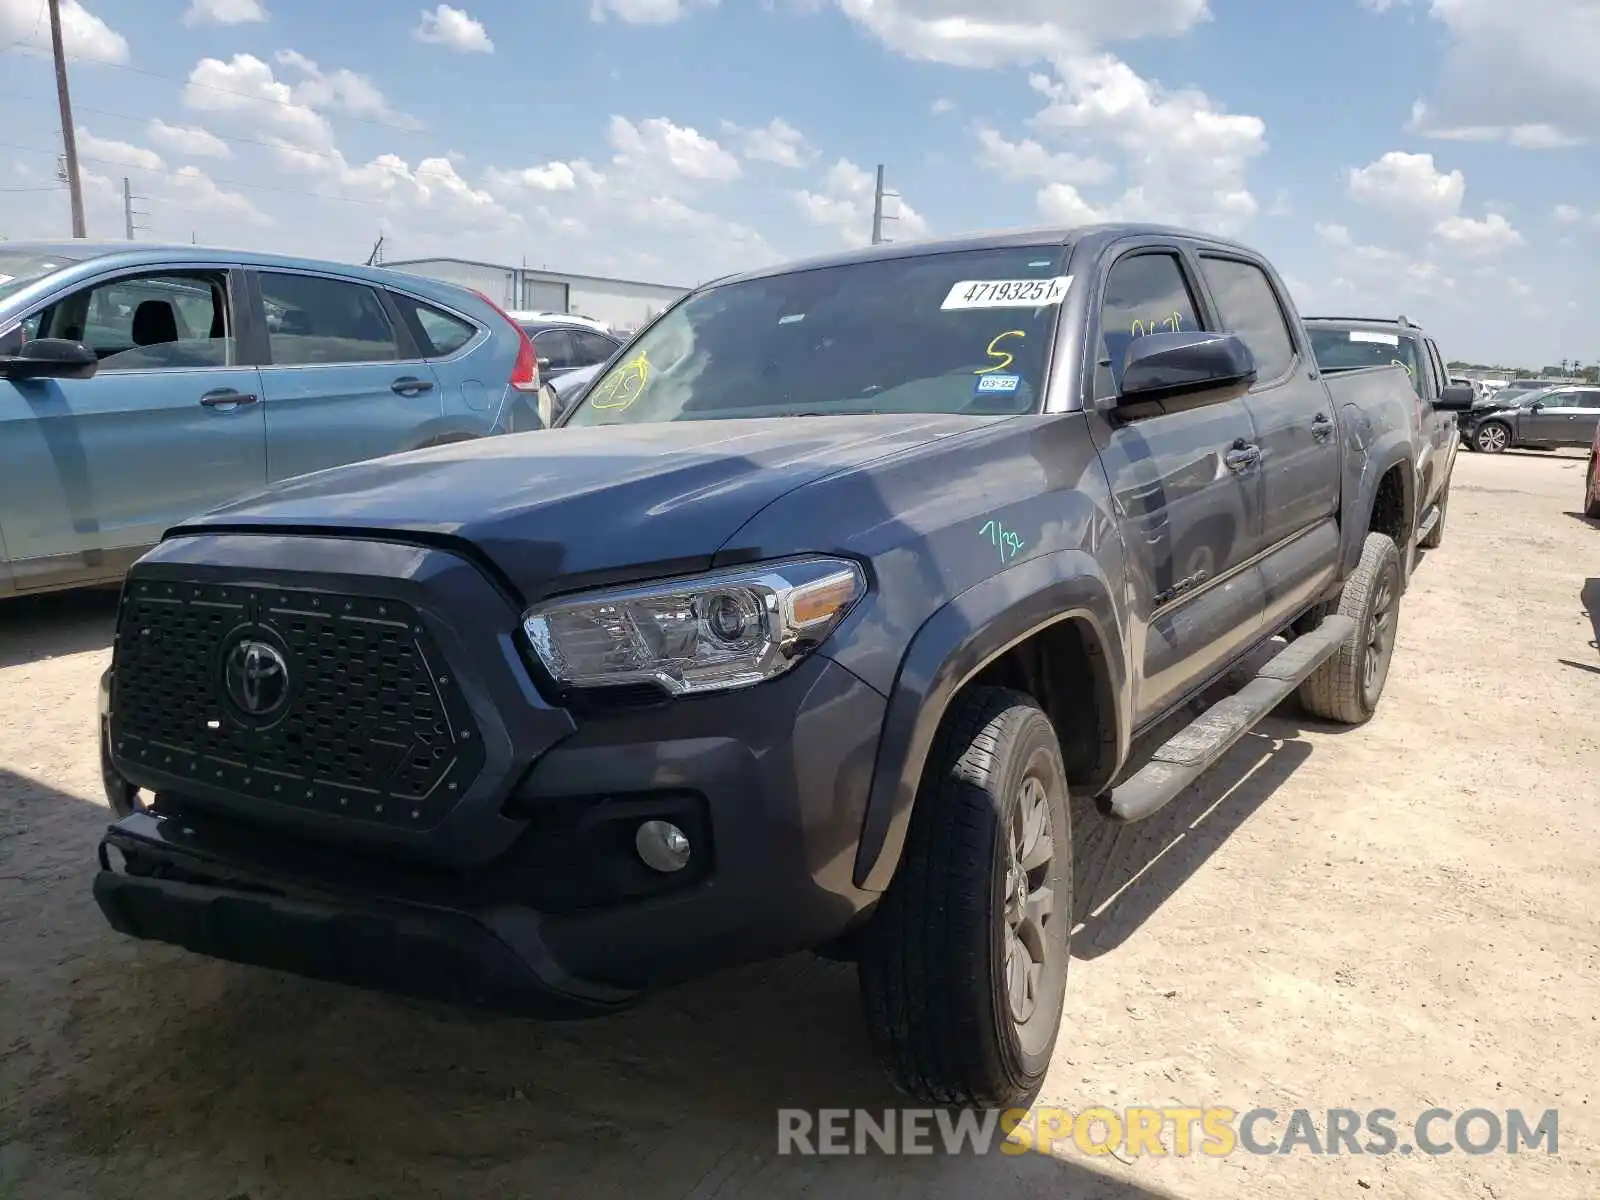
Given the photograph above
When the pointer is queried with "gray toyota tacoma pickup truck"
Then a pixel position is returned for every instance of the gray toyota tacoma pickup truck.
(796, 632)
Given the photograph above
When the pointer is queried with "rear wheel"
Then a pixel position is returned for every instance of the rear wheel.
(1492, 437)
(963, 967)
(1346, 687)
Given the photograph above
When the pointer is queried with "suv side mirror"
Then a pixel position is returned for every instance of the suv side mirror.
(1455, 397)
(50, 358)
(1160, 366)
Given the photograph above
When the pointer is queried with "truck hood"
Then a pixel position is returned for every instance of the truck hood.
(563, 508)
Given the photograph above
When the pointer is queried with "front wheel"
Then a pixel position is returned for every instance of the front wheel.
(1346, 687)
(963, 967)
(1591, 489)
(1492, 437)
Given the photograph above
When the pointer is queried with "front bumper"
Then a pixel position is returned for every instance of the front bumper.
(535, 900)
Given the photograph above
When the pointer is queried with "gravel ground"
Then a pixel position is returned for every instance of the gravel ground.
(1401, 916)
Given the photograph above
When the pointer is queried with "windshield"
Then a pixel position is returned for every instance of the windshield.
(962, 332)
(19, 268)
(1346, 349)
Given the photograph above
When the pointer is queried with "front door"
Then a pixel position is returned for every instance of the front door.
(94, 470)
(342, 383)
(1189, 520)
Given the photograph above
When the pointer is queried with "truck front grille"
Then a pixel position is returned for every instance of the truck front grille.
(370, 726)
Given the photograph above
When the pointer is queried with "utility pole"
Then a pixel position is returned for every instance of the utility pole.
(69, 135)
(127, 206)
(878, 215)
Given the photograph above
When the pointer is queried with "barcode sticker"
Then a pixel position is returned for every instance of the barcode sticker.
(1007, 293)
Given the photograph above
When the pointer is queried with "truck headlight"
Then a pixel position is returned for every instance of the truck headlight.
(702, 633)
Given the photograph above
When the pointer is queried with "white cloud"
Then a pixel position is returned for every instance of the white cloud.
(776, 142)
(941, 106)
(1376, 277)
(845, 201)
(83, 35)
(341, 90)
(1492, 235)
(244, 89)
(1027, 159)
(446, 26)
(224, 12)
(996, 32)
(655, 152)
(190, 140)
(1567, 214)
(1185, 158)
(1408, 185)
(646, 12)
(108, 152)
(191, 188)
(1520, 73)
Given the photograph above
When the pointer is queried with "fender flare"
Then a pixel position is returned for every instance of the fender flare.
(1390, 451)
(950, 648)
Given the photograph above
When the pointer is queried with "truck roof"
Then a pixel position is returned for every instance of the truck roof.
(1047, 235)
(1380, 322)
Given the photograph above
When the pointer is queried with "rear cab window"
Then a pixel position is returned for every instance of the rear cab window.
(1248, 305)
(959, 332)
(1340, 347)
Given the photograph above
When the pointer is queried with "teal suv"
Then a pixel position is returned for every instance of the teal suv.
(143, 385)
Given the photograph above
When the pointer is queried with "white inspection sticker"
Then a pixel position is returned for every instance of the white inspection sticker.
(1368, 335)
(1007, 293)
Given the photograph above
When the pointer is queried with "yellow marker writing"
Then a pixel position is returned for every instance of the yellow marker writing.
(1395, 362)
(625, 385)
(993, 353)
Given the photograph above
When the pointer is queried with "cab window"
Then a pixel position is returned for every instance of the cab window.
(1145, 293)
(147, 322)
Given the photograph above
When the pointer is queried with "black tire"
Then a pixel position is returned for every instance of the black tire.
(934, 959)
(1492, 437)
(1435, 537)
(1347, 686)
(1591, 489)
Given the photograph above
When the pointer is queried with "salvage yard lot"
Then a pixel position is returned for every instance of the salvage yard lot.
(1401, 916)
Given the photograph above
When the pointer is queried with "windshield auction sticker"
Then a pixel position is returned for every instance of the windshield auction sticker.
(1007, 293)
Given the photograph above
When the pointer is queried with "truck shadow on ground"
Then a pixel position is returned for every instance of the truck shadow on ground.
(1589, 597)
(39, 627)
(135, 1070)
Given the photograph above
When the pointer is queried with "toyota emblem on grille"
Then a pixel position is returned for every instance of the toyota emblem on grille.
(256, 677)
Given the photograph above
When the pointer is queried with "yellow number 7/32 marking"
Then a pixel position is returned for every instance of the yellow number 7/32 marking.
(1001, 354)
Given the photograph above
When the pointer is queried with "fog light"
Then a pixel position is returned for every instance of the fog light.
(663, 846)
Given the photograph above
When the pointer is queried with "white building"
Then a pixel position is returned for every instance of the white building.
(620, 303)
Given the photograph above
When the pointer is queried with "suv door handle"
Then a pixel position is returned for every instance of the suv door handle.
(410, 385)
(1321, 427)
(1242, 456)
(226, 398)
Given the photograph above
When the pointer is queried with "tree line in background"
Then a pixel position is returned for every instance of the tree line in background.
(1566, 369)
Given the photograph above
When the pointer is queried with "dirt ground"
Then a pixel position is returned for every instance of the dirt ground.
(1401, 916)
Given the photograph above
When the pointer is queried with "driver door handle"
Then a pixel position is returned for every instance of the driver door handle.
(1242, 456)
(410, 384)
(1321, 427)
(226, 398)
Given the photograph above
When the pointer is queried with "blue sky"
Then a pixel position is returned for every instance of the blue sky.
(1418, 156)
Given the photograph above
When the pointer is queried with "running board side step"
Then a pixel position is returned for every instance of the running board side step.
(1195, 749)
(1428, 522)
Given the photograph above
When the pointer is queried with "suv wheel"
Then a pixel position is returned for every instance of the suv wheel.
(1591, 489)
(1346, 687)
(964, 965)
(1492, 437)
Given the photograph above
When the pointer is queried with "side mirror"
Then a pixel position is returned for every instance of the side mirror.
(544, 364)
(50, 358)
(1455, 397)
(1160, 366)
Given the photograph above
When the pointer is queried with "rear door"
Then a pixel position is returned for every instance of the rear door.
(94, 470)
(344, 380)
(1588, 417)
(1295, 429)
